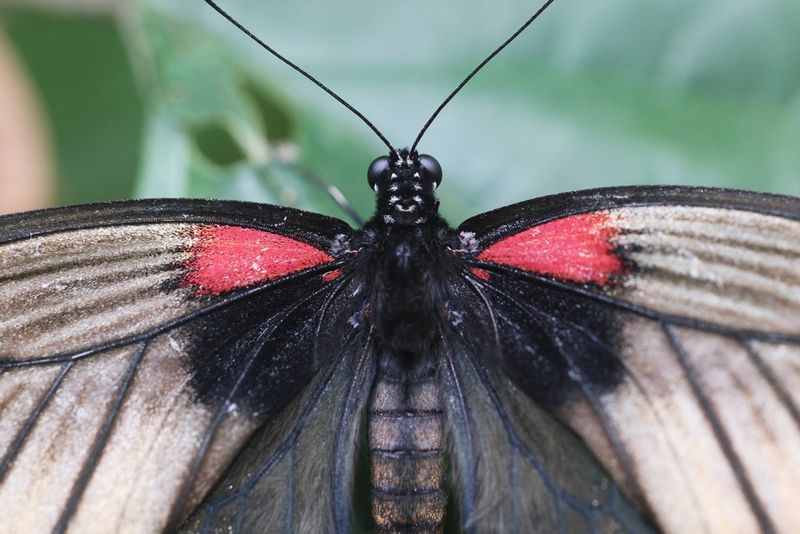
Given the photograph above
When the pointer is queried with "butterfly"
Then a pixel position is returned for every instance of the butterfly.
(206, 366)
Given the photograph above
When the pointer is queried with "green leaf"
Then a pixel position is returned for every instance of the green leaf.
(594, 94)
(613, 93)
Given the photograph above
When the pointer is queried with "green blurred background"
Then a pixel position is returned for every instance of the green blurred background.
(154, 98)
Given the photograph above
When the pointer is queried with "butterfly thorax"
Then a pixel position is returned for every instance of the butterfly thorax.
(408, 260)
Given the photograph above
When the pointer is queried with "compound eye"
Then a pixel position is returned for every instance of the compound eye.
(376, 170)
(431, 168)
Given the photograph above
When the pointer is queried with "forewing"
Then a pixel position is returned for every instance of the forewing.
(663, 324)
(142, 343)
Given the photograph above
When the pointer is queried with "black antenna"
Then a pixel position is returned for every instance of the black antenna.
(321, 85)
(476, 69)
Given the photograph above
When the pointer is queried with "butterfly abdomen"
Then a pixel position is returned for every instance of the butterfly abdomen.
(406, 428)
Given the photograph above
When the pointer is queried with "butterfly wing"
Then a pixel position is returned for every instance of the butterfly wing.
(517, 468)
(663, 325)
(142, 343)
(296, 473)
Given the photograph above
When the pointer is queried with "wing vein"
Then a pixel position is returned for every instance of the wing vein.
(586, 388)
(222, 411)
(773, 382)
(165, 327)
(518, 444)
(724, 441)
(242, 494)
(19, 440)
(340, 505)
(526, 453)
(100, 441)
(461, 406)
(643, 311)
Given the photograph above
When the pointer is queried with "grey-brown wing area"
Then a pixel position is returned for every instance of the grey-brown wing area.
(296, 473)
(520, 470)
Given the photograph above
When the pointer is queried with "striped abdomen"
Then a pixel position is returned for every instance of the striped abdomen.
(406, 429)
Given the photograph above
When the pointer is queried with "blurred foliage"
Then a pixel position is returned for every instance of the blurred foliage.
(614, 92)
(79, 67)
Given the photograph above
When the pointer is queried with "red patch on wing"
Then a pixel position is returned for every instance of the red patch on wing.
(577, 248)
(332, 275)
(481, 273)
(225, 258)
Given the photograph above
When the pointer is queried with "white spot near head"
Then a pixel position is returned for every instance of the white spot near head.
(468, 241)
(416, 175)
(375, 187)
(393, 176)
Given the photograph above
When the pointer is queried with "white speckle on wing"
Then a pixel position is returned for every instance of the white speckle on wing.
(574, 375)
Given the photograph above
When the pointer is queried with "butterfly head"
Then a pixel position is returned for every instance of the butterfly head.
(405, 184)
